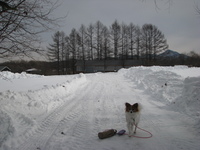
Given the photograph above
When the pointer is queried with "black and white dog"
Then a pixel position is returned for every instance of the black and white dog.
(132, 116)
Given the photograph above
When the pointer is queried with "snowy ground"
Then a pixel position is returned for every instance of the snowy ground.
(67, 112)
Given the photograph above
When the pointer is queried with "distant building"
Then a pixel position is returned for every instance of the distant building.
(91, 66)
(4, 68)
(33, 71)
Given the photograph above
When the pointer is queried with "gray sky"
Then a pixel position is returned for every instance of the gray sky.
(178, 20)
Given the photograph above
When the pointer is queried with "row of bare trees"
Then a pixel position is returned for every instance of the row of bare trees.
(97, 41)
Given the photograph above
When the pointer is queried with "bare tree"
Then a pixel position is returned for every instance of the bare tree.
(83, 38)
(193, 59)
(63, 51)
(106, 43)
(56, 51)
(157, 7)
(138, 39)
(74, 47)
(21, 21)
(153, 41)
(90, 41)
(82, 42)
(98, 38)
(132, 37)
(197, 8)
(169, 3)
(125, 42)
(115, 32)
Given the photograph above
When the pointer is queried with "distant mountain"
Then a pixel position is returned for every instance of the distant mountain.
(171, 54)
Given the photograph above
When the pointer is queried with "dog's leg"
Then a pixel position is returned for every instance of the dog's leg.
(130, 129)
(135, 128)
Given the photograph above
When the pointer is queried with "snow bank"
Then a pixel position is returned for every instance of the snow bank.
(22, 108)
(9, 75)
(189, 101)
(177, 87)
(160, 82)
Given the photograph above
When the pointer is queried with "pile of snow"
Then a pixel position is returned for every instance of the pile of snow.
(177, 87)
(155, 81)
(189, 100)
(20, 109)
(9, 75)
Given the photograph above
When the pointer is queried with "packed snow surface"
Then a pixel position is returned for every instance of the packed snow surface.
(67, 112)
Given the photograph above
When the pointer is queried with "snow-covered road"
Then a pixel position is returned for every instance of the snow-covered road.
(81, 106)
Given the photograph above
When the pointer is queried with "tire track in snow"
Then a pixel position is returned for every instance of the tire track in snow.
(103, 104)
(95, 109)
(114, 113)
(38, 137)
(76, 128)
(106, 113)
(80, 130)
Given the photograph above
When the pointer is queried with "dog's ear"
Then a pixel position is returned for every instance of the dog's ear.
(135, 105)
(127, 104)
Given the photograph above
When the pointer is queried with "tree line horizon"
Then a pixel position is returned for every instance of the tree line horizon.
(99, 42)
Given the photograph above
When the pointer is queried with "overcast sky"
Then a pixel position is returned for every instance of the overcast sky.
(179, 21)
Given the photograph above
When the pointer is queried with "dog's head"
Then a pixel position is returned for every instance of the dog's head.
(132, 108)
